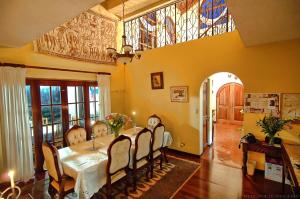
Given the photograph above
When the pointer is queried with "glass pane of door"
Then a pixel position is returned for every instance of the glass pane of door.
(76, 109)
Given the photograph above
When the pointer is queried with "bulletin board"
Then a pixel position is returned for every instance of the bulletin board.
(290, 106)
(262, 103)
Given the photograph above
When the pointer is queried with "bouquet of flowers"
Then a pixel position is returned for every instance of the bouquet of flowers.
(115, 121)
(271, 125)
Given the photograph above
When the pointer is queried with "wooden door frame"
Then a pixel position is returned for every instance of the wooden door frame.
(237, 122)
(37, 115)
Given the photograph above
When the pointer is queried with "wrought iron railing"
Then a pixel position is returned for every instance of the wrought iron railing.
(178, 22)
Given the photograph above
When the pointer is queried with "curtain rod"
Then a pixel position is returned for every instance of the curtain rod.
(49, 68)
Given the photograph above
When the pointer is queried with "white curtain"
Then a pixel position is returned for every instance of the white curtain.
(15, 138)
(104, 101)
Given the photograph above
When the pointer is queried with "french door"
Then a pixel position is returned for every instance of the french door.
(55, 106)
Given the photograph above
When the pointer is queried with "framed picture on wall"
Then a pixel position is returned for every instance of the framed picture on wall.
(179, 93)
(157, 80)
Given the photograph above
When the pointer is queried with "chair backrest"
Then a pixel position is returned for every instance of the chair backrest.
(142, 144)
(100, 128)
(153, 120)
(52, 160)
(158, 137)
(118, 154)
(75, 135)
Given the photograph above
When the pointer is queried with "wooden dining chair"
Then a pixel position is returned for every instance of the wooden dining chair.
(59, 182)
(118, 162)
(75, 135)
(153, 120)
(100, 129)
(140, 155)
(157, 145)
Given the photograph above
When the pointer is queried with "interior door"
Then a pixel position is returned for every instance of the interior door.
(205, 118)
(230, 103)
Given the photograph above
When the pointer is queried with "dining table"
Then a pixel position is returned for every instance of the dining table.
(86, 162)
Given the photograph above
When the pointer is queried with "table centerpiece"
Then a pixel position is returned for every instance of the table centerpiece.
(116, 121)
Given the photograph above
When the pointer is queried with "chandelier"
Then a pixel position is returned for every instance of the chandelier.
(126, 54)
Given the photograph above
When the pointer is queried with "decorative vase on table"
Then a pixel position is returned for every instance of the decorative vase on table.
(271, 125)
(115, 121)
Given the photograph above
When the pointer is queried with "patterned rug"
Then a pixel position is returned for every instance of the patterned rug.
(163, 185)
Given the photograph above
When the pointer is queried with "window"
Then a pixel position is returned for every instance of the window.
(178, 22)
(94, 104)
(58, 105)
(51, 110)
(76, 106)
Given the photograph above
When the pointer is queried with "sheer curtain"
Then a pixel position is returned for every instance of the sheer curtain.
(15, 138)
(104, 88)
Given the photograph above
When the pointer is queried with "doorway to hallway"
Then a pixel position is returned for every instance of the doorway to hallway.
(221, 117)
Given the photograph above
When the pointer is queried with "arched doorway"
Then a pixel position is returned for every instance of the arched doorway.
(221, 118)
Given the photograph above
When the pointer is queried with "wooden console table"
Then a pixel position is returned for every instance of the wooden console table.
(261, 147)
(291, 157)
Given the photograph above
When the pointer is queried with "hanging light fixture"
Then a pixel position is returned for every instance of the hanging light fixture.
(126, 54)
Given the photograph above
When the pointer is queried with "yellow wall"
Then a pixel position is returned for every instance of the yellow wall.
(25, 55)
(266, 68)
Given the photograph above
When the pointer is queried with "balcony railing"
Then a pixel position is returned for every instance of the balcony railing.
(178, 22)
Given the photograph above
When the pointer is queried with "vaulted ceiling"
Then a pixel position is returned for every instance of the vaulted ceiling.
(266, 21)
(258, 21)
(23, 21)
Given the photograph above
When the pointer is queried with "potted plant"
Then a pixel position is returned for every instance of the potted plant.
(271, 125)
(115, 121)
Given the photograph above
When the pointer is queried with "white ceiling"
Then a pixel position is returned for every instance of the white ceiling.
(266, 21)
(23, 21)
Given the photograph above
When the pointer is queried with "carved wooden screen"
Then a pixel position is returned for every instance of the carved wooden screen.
(84, 38)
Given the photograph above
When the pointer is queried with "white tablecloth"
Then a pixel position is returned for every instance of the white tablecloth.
(88, 166)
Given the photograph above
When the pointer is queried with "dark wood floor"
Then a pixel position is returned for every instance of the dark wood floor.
(220, 175)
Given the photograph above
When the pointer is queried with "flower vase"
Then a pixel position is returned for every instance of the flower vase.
(116, 133)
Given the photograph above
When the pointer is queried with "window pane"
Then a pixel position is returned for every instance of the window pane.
(46, 114)
(79, 93)
(71, 94)
(97, 109)
(28, 95)
(92, 120)
(47, 132)
(30, 117)
(80, 110)
(57, 114)
(92, 93)
(56, 98)
(45, 95)
(92, 109)
(97, 93)
(57, 128)
(81, 123)
(72, 112)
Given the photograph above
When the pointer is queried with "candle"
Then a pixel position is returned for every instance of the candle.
(11, 175)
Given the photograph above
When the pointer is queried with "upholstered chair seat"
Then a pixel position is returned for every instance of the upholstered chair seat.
(118, 161)
(59, 182)
(157, 145)
(75, 135)
(140, 153)
(100, 129)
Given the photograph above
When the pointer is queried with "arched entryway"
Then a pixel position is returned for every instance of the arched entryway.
(221, 116)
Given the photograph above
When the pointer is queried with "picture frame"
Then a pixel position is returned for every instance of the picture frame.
(179, 94)
(157, 80)
(290, 107)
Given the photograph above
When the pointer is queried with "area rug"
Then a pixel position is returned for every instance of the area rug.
(163, 185)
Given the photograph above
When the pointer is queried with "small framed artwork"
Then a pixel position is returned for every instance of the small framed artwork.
(179, 93)
(157, 80)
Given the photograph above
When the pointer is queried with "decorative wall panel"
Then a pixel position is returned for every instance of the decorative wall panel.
(84, 38)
